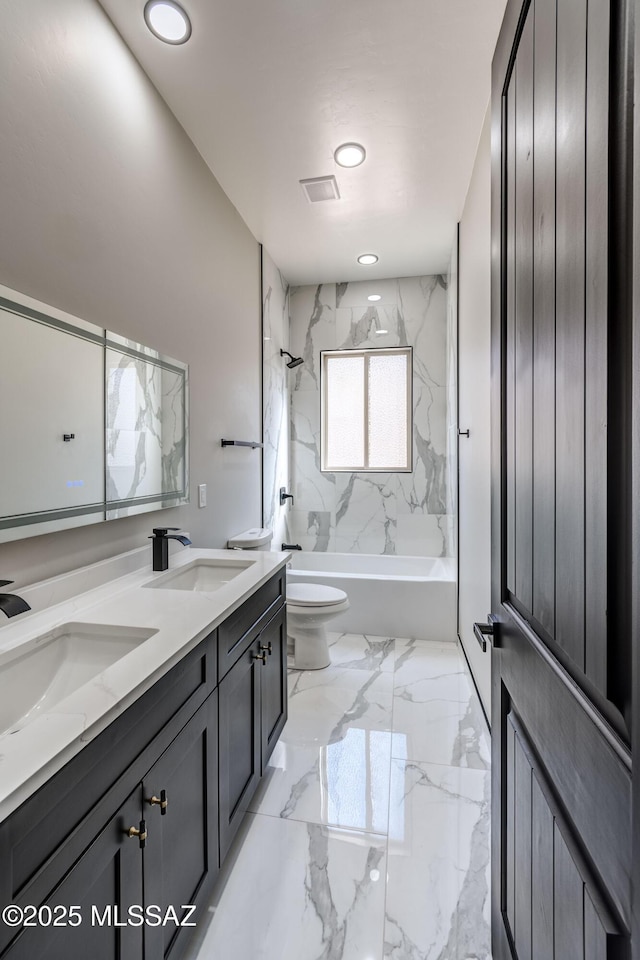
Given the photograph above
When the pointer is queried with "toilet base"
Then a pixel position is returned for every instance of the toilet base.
(310, 647)
(307, 627)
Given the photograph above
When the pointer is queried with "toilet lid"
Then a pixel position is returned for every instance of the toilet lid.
(314, 595)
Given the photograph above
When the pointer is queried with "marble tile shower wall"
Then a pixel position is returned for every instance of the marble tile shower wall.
(275, 385)
(397, 513)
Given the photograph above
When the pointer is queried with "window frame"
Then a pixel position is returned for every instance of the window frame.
(365, 352)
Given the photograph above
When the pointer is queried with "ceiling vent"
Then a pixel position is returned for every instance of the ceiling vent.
(321, 188)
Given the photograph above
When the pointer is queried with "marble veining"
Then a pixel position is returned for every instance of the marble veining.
(353, 851)
(145, 429)
(366, 512)
(312, 894)
(437, 715)
(438, 868)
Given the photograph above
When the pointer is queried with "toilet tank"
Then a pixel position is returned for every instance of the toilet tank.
(258, 538)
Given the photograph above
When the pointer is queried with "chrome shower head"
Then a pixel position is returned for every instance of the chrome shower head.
(294, 362)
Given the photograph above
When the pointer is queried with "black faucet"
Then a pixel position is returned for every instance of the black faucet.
(10, 603)
(291, 546)
(161, 537)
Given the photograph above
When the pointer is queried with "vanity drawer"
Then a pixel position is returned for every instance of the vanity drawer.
(239, 630)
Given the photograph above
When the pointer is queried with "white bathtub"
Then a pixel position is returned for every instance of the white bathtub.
(413, 597)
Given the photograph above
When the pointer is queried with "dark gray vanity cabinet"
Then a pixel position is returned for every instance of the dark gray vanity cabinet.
(253, 711)
(273, 685)
(180, 765)
(175, 865)
(239, 739)
(108, 876)
(180, 808)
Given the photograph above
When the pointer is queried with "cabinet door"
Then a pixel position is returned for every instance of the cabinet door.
(181, 855)
(103, 884)
(273, 684)
(239, 743)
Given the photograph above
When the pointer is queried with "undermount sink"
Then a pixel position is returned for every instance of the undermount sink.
(201, 575)
(43, 671)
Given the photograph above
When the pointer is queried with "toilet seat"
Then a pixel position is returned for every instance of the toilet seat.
(314, 595)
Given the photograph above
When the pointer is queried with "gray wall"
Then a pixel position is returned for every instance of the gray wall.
(474, 346)
(108, 212)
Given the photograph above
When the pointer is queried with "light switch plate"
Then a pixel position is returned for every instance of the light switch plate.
(202, 494)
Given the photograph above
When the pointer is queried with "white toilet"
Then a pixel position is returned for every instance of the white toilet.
(310, 606)
(258, 538)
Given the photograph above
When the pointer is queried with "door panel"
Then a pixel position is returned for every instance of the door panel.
(555, 896)
(544, 311)
(522, 438)
(561, 757)
(570, 280)
(597, 212)
(541, 875)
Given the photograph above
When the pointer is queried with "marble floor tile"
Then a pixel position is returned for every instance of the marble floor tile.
(437, 905)
(325, 704)
(422, 659)
(368, 838)
(358, 651)
(342, 675)
(343, 784)
(437, 716)
(298, 891)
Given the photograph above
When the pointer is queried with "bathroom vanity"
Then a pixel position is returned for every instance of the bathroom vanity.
(139, 808)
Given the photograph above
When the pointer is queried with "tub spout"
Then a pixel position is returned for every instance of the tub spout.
(291, 546)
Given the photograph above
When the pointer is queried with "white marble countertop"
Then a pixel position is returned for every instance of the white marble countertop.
(112, 593)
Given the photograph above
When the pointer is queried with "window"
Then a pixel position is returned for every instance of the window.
(366, 410)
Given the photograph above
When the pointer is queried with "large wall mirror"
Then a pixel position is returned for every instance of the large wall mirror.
(92, 426)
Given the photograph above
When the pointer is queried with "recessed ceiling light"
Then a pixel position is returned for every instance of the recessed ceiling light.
(374, 296)
(379, 333)
(367, 258)
(350, 154)
(167, 21)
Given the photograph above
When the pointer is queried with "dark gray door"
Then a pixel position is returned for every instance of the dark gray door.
(561, 508)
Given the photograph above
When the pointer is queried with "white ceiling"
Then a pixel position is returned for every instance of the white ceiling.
(267, 89)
